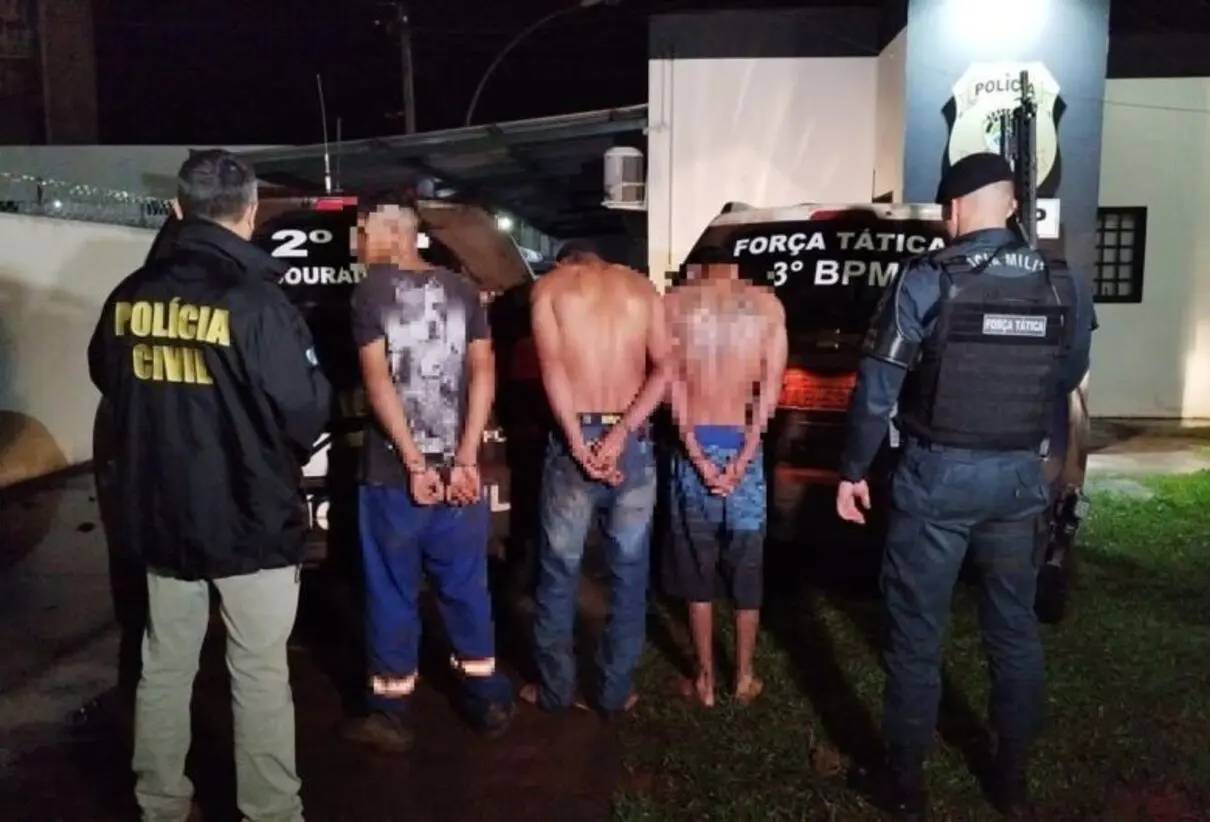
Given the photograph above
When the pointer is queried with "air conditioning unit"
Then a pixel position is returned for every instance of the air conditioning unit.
(625, 179)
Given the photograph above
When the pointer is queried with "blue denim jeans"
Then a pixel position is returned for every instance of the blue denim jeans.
(569, 504)
(944, 503)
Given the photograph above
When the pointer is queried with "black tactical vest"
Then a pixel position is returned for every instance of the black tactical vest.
(988, 376)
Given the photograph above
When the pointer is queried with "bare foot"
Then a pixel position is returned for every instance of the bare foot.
(528, 694)
(700, 689)
(748, 689)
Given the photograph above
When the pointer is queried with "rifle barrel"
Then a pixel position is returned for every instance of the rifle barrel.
(1025, 162)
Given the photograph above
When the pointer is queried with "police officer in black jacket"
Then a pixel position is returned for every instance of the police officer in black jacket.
(216, 399)
(974, 342)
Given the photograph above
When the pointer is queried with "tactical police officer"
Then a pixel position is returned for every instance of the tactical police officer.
(974, 342)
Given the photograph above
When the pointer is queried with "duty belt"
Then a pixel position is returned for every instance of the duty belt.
(962, 449)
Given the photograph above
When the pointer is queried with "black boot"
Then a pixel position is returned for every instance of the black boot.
(1010, 780)
(898, 786)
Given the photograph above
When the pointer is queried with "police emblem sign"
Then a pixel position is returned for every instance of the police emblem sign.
(984, 92)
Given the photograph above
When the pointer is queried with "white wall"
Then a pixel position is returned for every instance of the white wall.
(889, 114)
(54, 276)
(760, 131)
(1153, 359)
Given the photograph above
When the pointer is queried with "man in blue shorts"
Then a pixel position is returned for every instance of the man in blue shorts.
(729, 344)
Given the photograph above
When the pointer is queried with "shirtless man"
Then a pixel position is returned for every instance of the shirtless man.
(729, 354)
(602, 350)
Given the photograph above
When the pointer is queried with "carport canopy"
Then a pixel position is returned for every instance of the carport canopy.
(547, 172)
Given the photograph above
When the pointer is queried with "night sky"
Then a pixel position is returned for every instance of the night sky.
(243, 71)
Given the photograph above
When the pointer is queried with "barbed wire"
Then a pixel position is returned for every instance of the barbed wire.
(37, 196)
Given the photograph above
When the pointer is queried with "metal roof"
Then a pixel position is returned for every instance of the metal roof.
(546, 171)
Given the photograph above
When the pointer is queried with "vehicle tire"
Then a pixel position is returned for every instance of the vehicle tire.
(1054, 590)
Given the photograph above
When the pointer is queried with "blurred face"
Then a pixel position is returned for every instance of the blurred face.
(382, 234)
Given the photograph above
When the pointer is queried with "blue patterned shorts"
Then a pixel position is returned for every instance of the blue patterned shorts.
(717, 542)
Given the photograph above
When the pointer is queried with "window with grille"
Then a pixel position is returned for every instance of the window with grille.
(1121, 246)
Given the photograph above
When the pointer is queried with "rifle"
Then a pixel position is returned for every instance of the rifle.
(1018, 145)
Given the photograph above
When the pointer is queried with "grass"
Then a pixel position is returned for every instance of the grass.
(1128, 731)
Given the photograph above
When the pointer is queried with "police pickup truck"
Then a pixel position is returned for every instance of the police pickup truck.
(830, 265)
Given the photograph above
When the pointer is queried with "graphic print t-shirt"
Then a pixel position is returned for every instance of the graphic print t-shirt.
(427, 321)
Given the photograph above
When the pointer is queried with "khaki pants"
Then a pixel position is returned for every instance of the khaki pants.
(258, 610)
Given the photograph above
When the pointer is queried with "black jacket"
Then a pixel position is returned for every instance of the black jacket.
(102, 427)
(217, 398)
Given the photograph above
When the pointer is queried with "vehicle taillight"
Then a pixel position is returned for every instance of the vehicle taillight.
(803, 390)
(334, 203)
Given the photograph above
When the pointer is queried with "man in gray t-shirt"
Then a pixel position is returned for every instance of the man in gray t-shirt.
(426, 360)
(428, 320)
